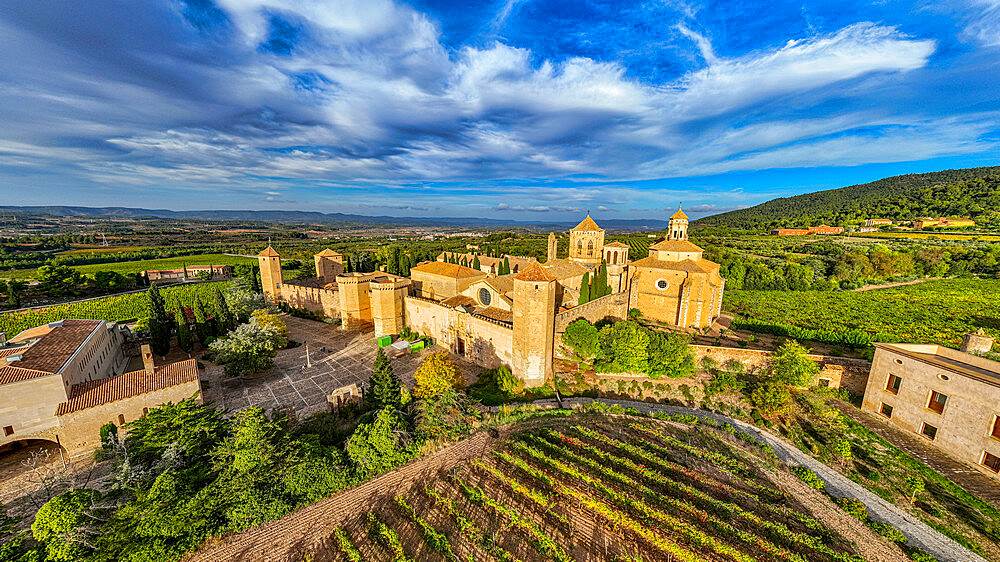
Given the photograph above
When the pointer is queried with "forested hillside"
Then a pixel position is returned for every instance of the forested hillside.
(973, 192)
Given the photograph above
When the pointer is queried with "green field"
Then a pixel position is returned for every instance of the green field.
(117, 308)
(933, 312)
(143, 265)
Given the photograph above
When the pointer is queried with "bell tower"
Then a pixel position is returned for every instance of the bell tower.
(553, 247)
(677, 228)
(534, 312)
(270, 274)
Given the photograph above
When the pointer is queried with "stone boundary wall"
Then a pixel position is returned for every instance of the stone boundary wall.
(613, 306)
(843, 372)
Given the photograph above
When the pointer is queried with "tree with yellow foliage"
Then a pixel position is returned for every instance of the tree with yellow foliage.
(265, 319)
(435, 375)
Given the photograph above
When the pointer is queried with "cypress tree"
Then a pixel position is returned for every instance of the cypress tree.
(601, 283)
(475, 262)
(255, 278)
(223, 317)
(184, 339)
(585, 288)
(159, 323)
(384, 385)
(506, 266)
(201, 325)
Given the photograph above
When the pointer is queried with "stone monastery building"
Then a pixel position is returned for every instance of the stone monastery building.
(514, 319)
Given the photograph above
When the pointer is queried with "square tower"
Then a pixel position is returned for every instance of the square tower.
(329, 265)
(270, 274)
(586, 243)
(534, 324)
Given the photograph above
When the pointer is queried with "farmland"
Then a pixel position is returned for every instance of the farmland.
(598, 489)
(112, 309)
(938, 311)
(143, 265)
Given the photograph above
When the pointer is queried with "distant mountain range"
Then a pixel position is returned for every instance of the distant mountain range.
(312, 217)
(970, 192)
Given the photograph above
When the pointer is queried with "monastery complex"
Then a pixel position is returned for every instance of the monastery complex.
(513, 319)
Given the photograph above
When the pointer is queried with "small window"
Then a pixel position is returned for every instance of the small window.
(991, 462)
(893, 384)
(996, 427)
(484, 296)
(824, 383)
(899, 361)
(121, 419)
(885, 410)
(937, 401)
(8, 431)
(928, 430)
(662, 284)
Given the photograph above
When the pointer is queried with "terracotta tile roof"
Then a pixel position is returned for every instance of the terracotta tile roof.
(11, 351)
(691, 266)
(459, 300)
(503, 283)
(534, 272)
(473, 307)
(328, 253)
(587, 224)
(679, 214)
(564, 269)
(447, 270)
(48, 355)
(675, 246)
(268, 253)
(14, 374)
(617, 244)
(103, 391)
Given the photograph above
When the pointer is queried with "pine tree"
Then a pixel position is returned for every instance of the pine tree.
(255, 279)
(201, 324)
(585, 288)
(475, 262)
(184, 339)
(384, 385)
(223, 317)
(159, 323)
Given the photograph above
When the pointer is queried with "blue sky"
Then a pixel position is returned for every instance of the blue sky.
(518, 109)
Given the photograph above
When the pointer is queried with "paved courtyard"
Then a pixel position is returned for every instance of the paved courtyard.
(336, 358)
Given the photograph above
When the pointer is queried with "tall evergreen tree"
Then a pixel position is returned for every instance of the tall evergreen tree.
(201, 324)
(224, 320)
(384, 385)
(160, 323)
(475, 262)
(601, 287)
(184, 339)
(585, 288)
(255, 279)
(506, 266)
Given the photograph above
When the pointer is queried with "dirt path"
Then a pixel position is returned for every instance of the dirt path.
(891, 285)
(919, 534)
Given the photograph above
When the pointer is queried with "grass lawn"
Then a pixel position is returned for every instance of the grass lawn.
(939, 311)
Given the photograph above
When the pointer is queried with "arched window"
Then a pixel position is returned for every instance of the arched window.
(590, 247)
(614, 258)
(579, 246)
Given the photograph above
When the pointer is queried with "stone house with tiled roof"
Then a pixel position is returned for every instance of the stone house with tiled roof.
(61, 381)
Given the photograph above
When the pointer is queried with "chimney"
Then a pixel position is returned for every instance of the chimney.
(977, 343)
(147, 359)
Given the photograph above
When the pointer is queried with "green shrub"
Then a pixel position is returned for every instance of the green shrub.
(854, 508)
(888, 531)
(809, 477)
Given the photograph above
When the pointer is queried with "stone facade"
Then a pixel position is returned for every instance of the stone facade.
(613, 306)
(586, 243)
(439, 280)
(355, 300)
(321, 299)
(483, 340)
(329, 265)
(948, 397)
(534, 324)
(388, 308)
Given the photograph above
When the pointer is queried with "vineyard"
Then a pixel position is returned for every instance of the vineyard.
(933, 312)
(143, 265)
(621, 489)
(638, 246)
(113, 309)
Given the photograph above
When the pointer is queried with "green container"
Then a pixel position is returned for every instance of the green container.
(384, 341)
(417, 346)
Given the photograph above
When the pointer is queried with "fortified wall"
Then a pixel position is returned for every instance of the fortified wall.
(312, 298)
(613, 306)
(841, 372)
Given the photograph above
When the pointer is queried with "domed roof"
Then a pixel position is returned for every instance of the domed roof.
(679, 214)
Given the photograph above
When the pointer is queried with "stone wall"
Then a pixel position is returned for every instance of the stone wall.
(313, 299)
(609, 306)
(80, 431)
(842, 372)
(484, 341)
